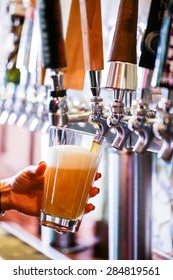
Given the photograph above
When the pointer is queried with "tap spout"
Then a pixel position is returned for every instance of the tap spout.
(58, 103)
(166, 151)
(145, 136)
(118, 119)
(165, 130)
(97, 119)
(142, 125)
(122, 135)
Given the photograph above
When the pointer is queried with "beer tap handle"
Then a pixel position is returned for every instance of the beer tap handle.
(123, 58)
(33, 3)
(53, 50)
(92, 34)
(74, 73)
(91, 24)
(122, 76)
(151, 36)
(124, 39)
(162, 75)
(53, 46)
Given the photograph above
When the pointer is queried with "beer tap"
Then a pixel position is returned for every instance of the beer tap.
(122, 76)
(163, 128)
(143, 117)
(162, 77)
(12, 74)
(93, 59)
(142, 124)
(53, 49)
(58, 104)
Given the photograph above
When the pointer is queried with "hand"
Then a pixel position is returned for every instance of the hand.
(24, 191)
(93, 192)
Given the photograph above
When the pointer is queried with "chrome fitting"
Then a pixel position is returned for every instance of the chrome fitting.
(122, 76)
(58, 102)
(142, 125)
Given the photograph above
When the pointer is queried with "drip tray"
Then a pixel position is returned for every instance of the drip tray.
(17, 244)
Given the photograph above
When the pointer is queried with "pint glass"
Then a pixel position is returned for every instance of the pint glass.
(72, 162)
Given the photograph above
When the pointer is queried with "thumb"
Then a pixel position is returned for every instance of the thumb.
(41, 168)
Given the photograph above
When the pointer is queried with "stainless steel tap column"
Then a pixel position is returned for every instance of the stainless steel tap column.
(130, 195)
(129, 205)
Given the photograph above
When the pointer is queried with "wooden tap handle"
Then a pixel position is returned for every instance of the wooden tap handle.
(33, 3)
(53, 46)
(123, 47)
(92, 34)
(75, 70)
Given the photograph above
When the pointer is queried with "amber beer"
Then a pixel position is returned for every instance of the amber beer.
(69, 176)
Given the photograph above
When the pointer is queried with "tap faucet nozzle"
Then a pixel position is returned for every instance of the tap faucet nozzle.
(58, 104)
(165, 130)
(118, 119)
(96, 117)
(142, 124)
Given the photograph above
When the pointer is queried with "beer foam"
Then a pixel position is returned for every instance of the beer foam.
(72, 157)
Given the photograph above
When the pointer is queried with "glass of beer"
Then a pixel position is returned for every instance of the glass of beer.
(72, 162)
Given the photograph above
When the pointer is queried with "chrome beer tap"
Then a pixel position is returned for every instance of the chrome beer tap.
(53, 49)
(142, 124)
(93, 59)
(162, 77)
(58, 103)
(142, 120)
(118, 119)
(97, 117)
(163, 129)
(122, 76)
(143, 117)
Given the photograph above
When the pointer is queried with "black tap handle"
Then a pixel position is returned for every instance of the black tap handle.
(163, 72)
(151, 37)
(53, 46)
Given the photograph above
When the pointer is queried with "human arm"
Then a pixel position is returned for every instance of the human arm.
(23, 192)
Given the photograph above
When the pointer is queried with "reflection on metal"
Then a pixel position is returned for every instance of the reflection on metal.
(122, 76)
(129, 206)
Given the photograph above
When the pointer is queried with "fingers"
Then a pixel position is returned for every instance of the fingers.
(89, 207)
(98, 176)
(40, 170)
(94, 191)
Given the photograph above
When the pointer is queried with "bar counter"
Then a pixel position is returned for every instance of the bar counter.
(17, 244)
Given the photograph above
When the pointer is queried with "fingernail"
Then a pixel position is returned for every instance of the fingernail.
(98, 190)
(93, 208)
(41, 162)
